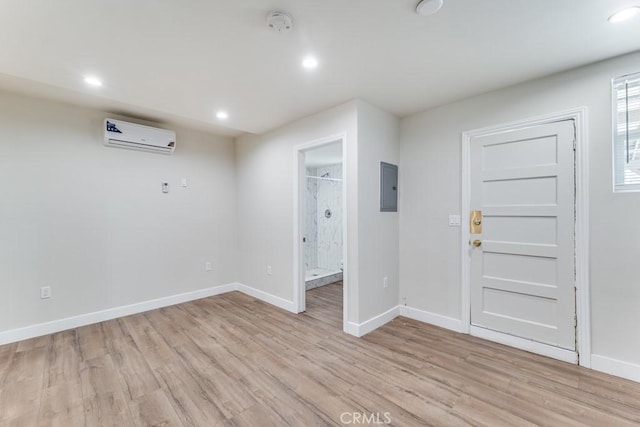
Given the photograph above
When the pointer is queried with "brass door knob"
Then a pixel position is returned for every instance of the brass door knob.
(477, 243)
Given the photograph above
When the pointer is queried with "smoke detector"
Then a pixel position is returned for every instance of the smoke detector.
(279, 22)
(428, 7)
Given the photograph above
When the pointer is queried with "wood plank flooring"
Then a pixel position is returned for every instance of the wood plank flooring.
(233, 360)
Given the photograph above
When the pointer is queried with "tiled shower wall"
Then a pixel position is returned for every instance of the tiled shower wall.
(324, 232)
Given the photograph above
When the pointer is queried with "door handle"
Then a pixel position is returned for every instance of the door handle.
(477, 243)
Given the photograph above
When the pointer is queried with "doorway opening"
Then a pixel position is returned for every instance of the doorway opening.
(320, 207)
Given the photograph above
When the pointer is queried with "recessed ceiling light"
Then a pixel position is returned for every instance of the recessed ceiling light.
(93, 81)
(222, 115)
(624, 14)
(310, 62)
(428, 7)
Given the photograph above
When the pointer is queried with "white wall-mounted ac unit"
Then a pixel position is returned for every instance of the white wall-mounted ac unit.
(138, 137)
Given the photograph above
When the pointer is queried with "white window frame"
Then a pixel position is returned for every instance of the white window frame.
(621, 141)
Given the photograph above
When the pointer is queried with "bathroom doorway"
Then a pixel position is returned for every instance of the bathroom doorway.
(320, 235)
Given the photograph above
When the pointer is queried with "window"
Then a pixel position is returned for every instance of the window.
(626, 133)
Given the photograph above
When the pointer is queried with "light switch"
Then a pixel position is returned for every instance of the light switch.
(183, 182)
(165, 187)
(454, 220)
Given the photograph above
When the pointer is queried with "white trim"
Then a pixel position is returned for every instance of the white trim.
(615, 367)
(583, 244)
(431, 318)
(465, 262)
(352, 328)
(361, 329)
(54, 326)
(268, 298)
(345, 236)
(582, 236)
(525, 344)
(299, 173)
(298, 227)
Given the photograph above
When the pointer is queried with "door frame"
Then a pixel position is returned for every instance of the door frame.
(299, 189)
(582, 355)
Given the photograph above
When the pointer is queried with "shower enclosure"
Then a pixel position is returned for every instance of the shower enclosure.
(323, 232)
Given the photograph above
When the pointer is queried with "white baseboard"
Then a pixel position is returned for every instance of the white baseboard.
(54, 326)
(268, 298)
(351, 328)
(361, 329)
(615, 367)
(456, 326)
(431, 318)
(525, 344)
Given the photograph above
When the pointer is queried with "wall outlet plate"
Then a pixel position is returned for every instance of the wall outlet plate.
(454, 220)
(45, 292)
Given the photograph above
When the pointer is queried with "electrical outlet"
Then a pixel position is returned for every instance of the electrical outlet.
(385, 282)
(45, 292)
(269, 270)
(207, 266)
(404, 300)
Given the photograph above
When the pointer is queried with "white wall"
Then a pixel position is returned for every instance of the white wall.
(92, 222)
(430, 185)
(265, 206)
(265, 185)
(378, 232)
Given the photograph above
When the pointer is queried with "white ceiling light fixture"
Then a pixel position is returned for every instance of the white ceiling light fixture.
(93, 81)
(222, 115)
(279, 22)
(310, 62)
(624, 14)
(429, 7)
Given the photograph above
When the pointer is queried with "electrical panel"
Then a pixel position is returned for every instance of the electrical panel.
(388, 187)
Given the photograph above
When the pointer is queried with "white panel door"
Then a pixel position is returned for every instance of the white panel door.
(522, 274)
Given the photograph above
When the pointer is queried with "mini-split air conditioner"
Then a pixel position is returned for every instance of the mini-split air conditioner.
(138, 137)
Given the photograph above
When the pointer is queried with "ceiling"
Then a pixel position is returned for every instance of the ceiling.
(182, 61)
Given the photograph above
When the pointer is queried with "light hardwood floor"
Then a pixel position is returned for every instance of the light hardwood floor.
(233, 360)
